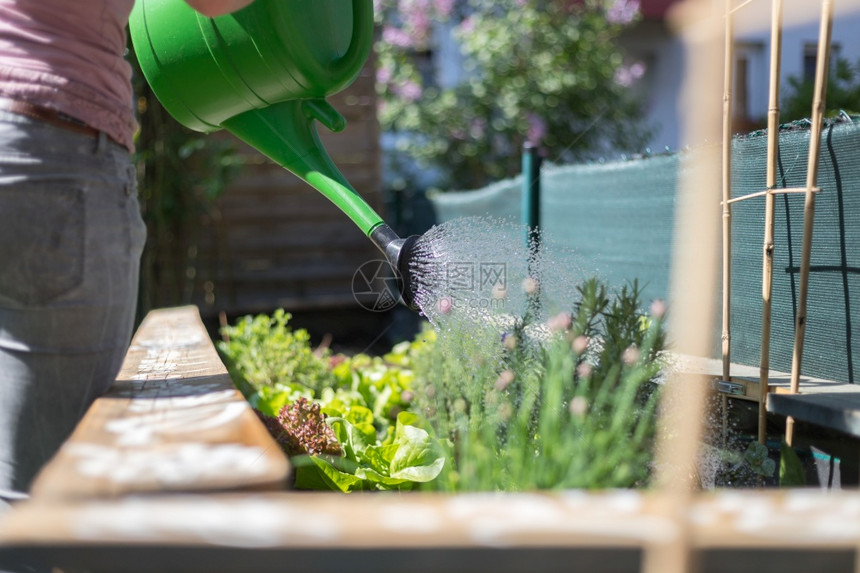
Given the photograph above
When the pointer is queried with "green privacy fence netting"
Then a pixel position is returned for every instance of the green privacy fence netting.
(619, 218)
(833, 305)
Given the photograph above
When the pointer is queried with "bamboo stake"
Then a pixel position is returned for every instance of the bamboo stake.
(728, 69)
(780, 191)
(727, 192)
(769, 208)
(739, 6)
(822, 70)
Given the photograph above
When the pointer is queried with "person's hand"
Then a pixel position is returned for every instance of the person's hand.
(212, 8)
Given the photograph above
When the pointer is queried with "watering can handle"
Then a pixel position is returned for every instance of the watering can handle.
(362, 38)
(354, 57)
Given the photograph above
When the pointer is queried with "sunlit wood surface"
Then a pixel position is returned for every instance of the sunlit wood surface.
(172, 422)
(736, 531)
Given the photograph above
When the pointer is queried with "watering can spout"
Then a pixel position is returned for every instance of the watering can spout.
(286, 133)
(400, 254)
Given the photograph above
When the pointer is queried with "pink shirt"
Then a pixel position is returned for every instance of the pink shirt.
(67, 55)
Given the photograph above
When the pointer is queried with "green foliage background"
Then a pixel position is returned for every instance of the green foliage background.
(544, 71)
(843, 93)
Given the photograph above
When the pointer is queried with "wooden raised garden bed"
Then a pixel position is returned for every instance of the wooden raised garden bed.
(172, 471)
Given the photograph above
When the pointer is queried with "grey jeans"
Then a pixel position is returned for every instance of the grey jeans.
(71, 236)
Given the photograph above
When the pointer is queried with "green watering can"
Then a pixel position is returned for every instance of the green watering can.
(263, 73)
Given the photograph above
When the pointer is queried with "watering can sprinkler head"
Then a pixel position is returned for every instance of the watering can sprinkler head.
(399, 253)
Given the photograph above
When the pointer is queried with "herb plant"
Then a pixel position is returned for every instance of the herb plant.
(569, 404)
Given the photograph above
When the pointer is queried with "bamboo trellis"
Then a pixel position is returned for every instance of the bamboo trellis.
(810, 190)
(821, 72)
(677, 450)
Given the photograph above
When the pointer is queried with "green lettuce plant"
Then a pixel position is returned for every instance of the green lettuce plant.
(408, 456)
(264, 353)
(342, 420)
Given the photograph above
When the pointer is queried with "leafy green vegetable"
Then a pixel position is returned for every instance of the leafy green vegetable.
(410, 455)
(418, 456)
(321, 473)
(359, 402)
(270, 399)
(790, 467)
(264, 351)
(756, 455)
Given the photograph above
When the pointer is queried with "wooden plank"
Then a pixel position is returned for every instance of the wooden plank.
(294, 300)
(264, 260)
(561, 531)
(837, 408)
(747, 376)
(172, 421)
(825, 403)
(298, 203)
(263, 271)
(294, 235)
(275, 179)
(348, 260)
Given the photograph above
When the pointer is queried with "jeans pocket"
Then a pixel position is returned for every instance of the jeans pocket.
(42, 237)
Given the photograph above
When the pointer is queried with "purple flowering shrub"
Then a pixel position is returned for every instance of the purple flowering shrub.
(548, 72)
